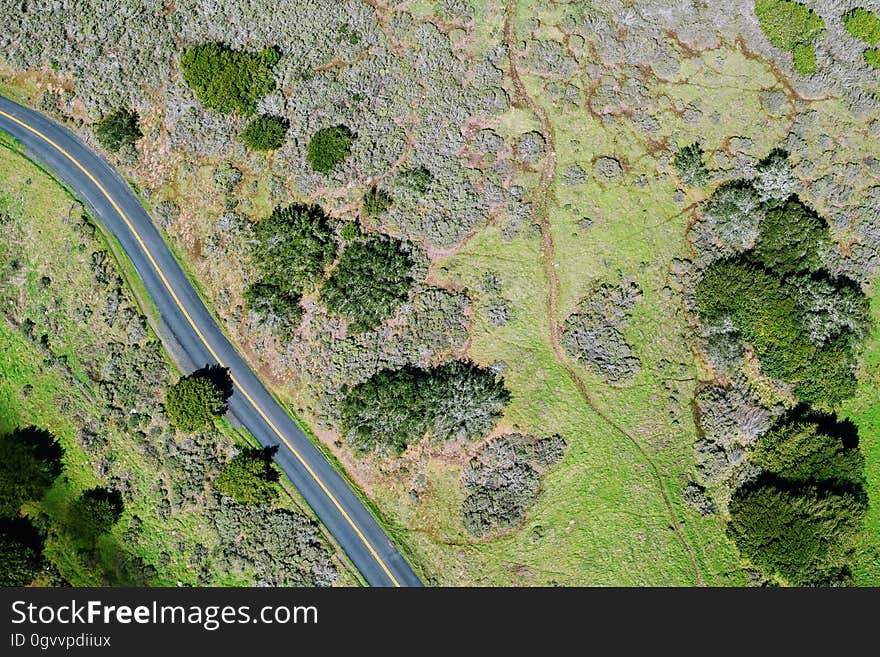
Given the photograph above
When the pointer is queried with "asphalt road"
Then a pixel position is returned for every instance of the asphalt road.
(198, 341)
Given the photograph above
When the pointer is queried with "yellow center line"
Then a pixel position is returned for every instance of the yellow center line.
(198, 332)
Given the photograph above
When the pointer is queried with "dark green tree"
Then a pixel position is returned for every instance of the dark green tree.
(117, 129)
(194, 401)
(30, 460)
(373, 277)
(791, 238)
(394, 408)
(94, 513)
(328, 147)
(265, 133)
(228, 80)
(21, 552)
(250, 477)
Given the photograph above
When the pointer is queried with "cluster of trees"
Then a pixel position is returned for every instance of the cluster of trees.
(118, 129)
(393, 408)
(292, 250)
(794, 27)
(802, 519)
(805, 325)
(196, 400)
(228, 80)
(865, 25)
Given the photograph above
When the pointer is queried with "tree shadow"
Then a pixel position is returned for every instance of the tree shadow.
(219, 376)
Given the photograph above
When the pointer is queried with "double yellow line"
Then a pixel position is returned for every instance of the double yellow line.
(198, 332)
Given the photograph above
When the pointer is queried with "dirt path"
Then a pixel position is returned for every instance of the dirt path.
(548, 173)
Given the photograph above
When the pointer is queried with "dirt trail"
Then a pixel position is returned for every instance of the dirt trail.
(548, 173)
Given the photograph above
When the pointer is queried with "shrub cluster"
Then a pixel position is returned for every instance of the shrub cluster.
(118, 129)
(228, 80)
(502, 481)
(393, 408)
(691, 167)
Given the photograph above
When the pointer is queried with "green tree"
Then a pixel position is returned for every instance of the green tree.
(117, 129)
(292, 248)
(30, 460)
(376, 201)
(328, 147)
(228, 80)
(21, 552)
(688, 161)
(373, 277)
(249, 478)
(863, 24)
(794, 27)
(394, 408)
(265, 133)
(802, 533)
(791, 238)
(94, 513)
(193, 402)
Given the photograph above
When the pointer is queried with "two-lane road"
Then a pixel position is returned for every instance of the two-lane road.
(186, 320)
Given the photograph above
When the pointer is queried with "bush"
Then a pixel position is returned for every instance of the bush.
(249, 478)
(21, 552)
(228, 80)
(802, 533)
(94, 513)
(394, 408)
(118, 129)
(328, 147)
(794, 27)
(418, 179)
(872, 57)
(863, 24)
(264, 133)
(373, 277)
(30, 460)
(292, 248)
(193, 402)
(688, 161)
(376, 201)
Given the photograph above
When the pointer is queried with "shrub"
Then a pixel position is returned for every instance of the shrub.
(872, 57)
(803, 533)
(417, 179)
(193, 402)
(118, 129)
(21, 552)
(264, 133)
(394, 408)
(94, 513)
(292, 248)
(373, 277)
(275, 309)
(249, 478)
(376, 201)
(803, 56)
(863, 24)
(228, 80)
(30, 460)
(688, 161)
(328, 147)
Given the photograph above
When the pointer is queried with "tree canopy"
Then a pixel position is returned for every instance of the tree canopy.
(117, 129)
(250, 477)
(21, 552)
(264, 133)
(194, 401)
(228, 80)
(94, 513)
(393, 408)
(30, 460)
(373, 277)
(328, 147)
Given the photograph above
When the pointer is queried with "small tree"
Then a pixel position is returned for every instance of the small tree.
(118, 129)
(193, 402)
(21, 552)
(264, 133)
(249, 478)
(328, 147)
(688, 161)
(94, 513)
(376, 201)
(30, 460)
